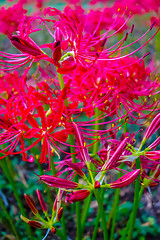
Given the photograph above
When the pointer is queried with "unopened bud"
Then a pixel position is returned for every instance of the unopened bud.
(41, 200)
(97, 184)
(31, 204)
(53, 230)
(35, 224)
(59, 214)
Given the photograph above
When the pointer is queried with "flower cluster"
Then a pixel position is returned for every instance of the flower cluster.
(77, 95)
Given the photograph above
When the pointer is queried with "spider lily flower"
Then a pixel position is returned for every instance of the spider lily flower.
(31, 52)
(125, 180)
(21, 122)
(78, 41)
(10, 17)
(154, 126)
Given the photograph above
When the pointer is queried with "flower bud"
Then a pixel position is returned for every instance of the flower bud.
(155, 124)
(58, 182)
(59, 214)
(116, 155)
(155, 143)
(81, 144)
(31, 204)
(153, 155)
(77, 196)
(97, 184)
(125, 180)
(41, 200)
(25, 46)
(75, 168)
(53, 230)
(35, 224)
(57, 51)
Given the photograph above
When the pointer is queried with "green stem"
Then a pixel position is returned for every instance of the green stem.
(48, 189)
(115, 207)
(78, 221)
(78, 205)
(60, 234)
(102, 213)
(135, 204)
(96, 127)
(85, 210)
(9, 219)
(53, 169)
(132, 220)
(64, 228)
(115, 211)
(137, 197)
(96, 226)
(98, 217)
(9, 175)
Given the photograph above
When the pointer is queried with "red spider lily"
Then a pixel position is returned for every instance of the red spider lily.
(31, 52)
(77, 42)
(125, 180)
(10, 18)
(21, 122)
(115, 90)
